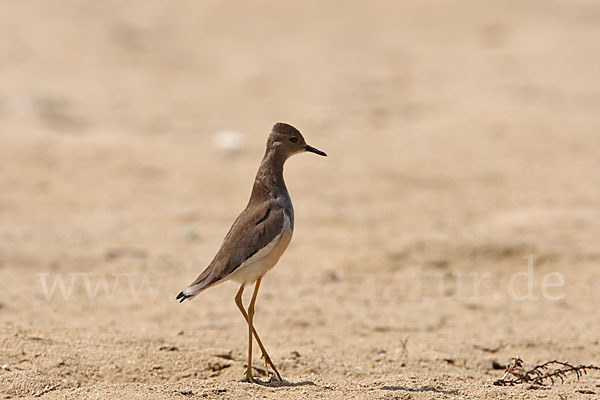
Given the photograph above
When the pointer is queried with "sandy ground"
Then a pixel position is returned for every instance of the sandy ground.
(462, 136)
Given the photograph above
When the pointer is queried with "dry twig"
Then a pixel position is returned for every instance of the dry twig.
(542, 374)
(45, 390)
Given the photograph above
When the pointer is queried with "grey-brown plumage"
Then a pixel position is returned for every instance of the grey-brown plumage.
(252, 230)
(262, 221)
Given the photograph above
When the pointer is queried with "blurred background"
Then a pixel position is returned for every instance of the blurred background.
(462, 137)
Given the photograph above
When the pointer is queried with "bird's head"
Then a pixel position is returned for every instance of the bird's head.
(288, 140)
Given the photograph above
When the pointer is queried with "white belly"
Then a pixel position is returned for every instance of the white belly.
(260, 263)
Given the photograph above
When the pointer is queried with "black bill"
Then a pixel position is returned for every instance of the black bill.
(316, 151)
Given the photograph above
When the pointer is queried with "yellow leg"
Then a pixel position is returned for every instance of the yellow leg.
(265, 355)
(238, 301)
(251, 329)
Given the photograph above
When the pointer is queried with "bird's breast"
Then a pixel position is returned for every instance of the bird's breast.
(266, 258)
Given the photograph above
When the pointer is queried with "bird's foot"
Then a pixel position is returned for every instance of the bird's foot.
(267, 374)
(268, 362)
(249, 378)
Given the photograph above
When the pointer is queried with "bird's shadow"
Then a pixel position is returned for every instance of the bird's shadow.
(278, 384)
(421, 389)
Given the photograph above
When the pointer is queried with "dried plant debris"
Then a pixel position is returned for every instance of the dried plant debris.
(549, 372)
(46, 389)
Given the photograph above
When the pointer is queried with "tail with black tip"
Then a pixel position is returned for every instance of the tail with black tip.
(183, 296)
(204, 281)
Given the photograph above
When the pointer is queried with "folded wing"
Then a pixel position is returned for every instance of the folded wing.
(253, 229)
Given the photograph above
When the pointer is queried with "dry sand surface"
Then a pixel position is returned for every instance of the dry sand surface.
(462, 136)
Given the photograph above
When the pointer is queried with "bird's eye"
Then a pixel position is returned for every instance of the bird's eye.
(293, 139)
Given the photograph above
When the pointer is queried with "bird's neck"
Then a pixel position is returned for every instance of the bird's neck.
(269, 178)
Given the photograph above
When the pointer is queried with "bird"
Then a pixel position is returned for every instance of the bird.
(259, 235)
